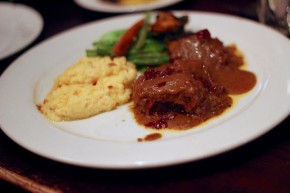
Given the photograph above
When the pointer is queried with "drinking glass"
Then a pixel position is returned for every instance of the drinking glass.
(275, 13)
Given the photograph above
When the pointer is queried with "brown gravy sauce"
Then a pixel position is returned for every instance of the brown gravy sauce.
(150, 137)
(235, 81)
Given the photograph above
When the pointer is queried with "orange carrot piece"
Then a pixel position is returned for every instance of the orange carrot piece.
(125, 42)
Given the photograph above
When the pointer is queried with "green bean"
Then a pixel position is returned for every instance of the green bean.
(142, 68)
(151, 59)
(113, 36)
(150, 45)
(98, 52)
(105, 47)
(104, 44)
(91, 53)
(101, 48)
(143, 31)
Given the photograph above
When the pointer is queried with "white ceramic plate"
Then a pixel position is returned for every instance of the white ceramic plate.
(99, 5)
(19, 26)
(109, 140)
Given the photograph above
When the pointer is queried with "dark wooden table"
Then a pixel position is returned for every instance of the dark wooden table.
(260, 166)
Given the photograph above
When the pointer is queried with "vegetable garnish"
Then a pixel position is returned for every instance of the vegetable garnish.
(141, 44)
(123, 45)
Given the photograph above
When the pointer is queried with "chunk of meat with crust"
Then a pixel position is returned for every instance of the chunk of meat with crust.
(166, 22)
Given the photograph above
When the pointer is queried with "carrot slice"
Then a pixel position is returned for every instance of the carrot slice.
(125, 42)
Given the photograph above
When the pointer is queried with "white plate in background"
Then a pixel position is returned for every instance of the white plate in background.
(109, 140)
(19, 26)
(99, 5)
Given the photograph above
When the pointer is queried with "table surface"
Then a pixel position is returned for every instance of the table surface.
(262, 165)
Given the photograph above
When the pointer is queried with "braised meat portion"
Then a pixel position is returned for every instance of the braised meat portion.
(193, 87)
(165, 89)
(171, 88)
(201, 48)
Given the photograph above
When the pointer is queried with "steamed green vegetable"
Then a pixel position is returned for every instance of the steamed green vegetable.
(143, 33)
(145, 50)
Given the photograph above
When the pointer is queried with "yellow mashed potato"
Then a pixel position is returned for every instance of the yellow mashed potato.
(91, 86)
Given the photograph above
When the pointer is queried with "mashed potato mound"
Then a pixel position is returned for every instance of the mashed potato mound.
(91, 86)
